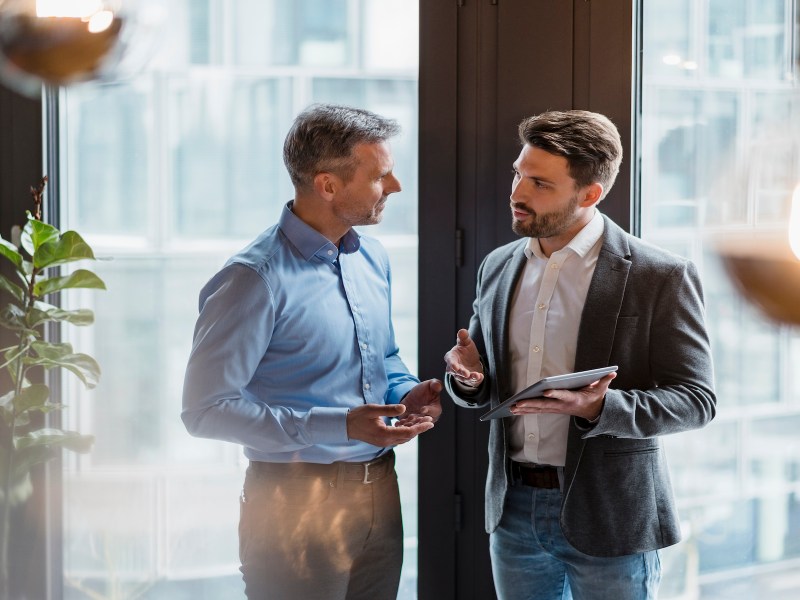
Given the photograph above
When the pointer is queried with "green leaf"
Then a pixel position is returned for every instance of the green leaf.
(5, 399)
(11, 252)
(20, 491)
(81, 278)
(12, 288)
(6, 407)
(13, 317)
(19, 478)
(26, 458)
(68, 248)
(35, 233)
(51, 355)
(70, 440)
(43, 312)
(32, 397)
(14, 354)
(27, 270)
(52, 350)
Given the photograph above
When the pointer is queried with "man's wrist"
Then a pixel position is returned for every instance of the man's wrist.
(596, 418)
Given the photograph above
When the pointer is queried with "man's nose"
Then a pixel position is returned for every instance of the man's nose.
(393, 185)
(515, 188)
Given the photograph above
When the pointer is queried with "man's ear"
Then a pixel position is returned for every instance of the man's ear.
(326, 185)
(591, 194)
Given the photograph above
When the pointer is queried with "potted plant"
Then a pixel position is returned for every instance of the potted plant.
(25, 313)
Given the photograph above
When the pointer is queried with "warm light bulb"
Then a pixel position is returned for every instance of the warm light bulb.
(100, 21)
(794, 223)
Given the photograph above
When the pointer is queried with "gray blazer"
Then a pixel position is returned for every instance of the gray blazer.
(643, 312)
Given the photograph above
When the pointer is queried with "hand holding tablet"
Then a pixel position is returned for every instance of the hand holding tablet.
(568, 381)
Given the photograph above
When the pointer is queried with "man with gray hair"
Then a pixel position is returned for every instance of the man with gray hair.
(294, 358)
(578, 499)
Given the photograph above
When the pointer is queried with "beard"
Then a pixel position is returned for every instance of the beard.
(545, 225)
(355, 216)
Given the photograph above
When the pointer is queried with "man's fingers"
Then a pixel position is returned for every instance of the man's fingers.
(462, 337)
(384, 410)
(413, 420)
(468, 377)
(366, 423)
(412, 431)
(400, 434)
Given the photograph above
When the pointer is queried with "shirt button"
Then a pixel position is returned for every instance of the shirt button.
(364, 346)
(330, 252)
(541, 306)
(554, 266)
(536, 348)
(531, 437)
(366, 386)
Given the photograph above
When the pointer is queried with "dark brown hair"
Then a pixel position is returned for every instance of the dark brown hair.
(589, 141)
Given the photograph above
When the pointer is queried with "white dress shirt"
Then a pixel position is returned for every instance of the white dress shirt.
(543, 334)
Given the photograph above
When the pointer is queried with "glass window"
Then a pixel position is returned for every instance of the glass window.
(719, 157)
(168, 174)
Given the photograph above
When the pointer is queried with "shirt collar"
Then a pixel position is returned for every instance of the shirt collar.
(581, 244)
(310, 242)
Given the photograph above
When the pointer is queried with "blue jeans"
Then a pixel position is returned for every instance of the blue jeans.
(531, 559)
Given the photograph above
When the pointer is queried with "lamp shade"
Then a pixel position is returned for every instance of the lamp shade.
(59, 42)
(766, 272)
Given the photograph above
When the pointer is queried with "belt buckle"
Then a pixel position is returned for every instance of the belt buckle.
(366, 472)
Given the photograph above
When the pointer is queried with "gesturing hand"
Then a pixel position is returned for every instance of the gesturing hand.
(463, 360)
(422, 401)
(366, 423)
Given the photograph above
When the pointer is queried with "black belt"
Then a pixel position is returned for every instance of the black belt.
(363, 472)
(535, 475)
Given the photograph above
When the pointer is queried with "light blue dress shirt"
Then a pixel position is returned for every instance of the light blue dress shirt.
(292, 333)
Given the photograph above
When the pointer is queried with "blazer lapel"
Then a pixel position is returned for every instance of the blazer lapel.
(501, 305)
(603, 300)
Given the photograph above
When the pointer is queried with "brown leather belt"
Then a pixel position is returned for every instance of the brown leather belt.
(535, 476)
(363, 472)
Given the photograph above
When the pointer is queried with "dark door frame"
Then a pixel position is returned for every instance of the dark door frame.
(485, 65)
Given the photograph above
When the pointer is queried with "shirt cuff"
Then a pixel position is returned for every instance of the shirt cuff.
(463, 389)
(399, 392)
(327, 425)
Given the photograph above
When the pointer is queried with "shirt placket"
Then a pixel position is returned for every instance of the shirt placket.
(362, 331)
(536, 346)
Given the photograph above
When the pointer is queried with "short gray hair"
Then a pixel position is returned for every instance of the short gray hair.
(589, 141)
(323, 136)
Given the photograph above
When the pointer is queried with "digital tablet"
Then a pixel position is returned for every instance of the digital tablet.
(568, 381)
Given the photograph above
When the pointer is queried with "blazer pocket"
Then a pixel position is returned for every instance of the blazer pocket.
(632, 451)
(635, 491)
